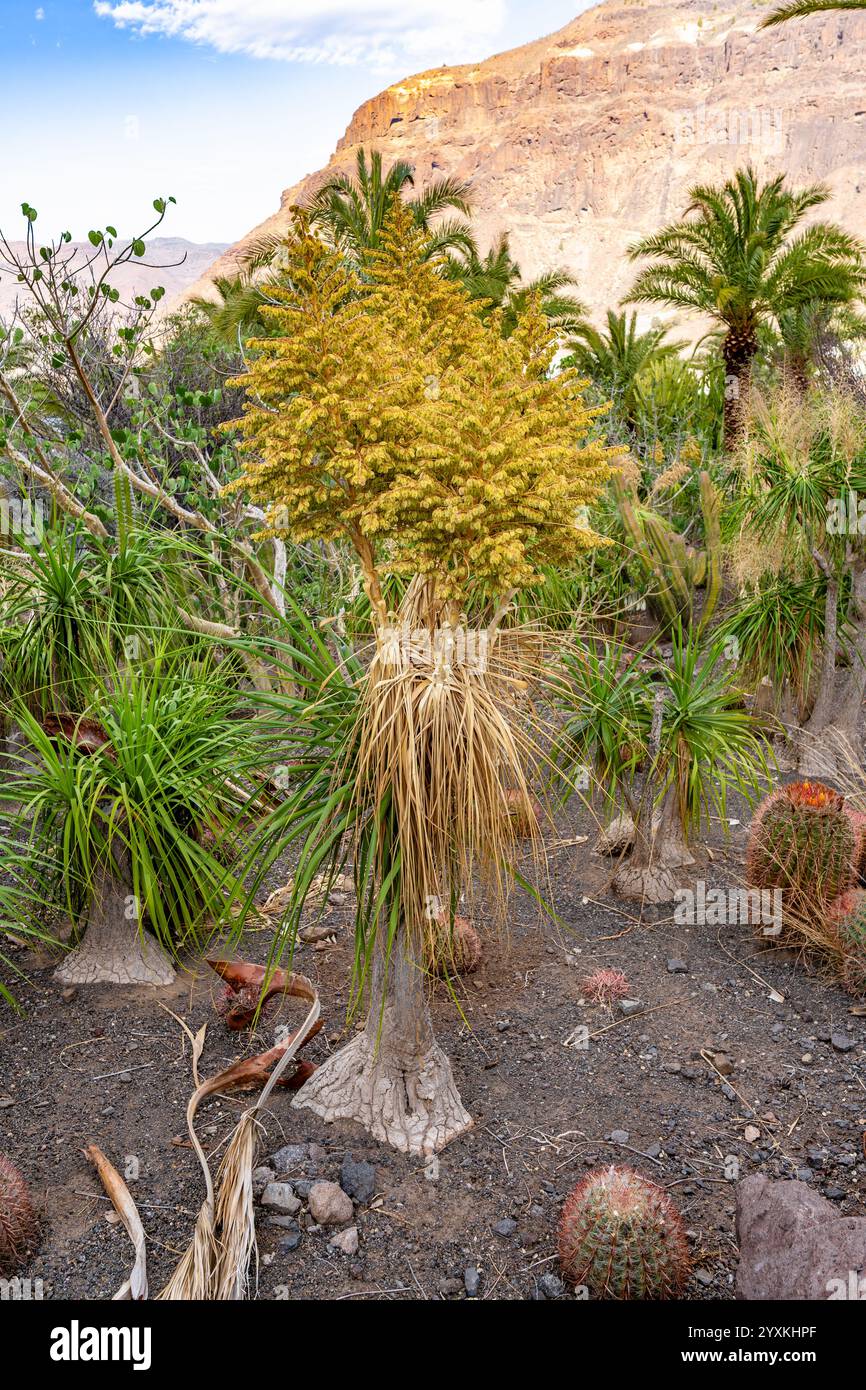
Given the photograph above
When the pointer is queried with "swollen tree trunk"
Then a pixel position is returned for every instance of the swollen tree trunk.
(825, 699)
(832, 736)
(115, 949)
(393, 1078)
(645, 876)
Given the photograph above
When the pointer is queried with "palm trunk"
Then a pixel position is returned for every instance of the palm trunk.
(393, 1078)
(738, 351)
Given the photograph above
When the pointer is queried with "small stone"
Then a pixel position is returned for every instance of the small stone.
(290, 1158)
(502, 1025)
(752, 1134)
(835, 1194)
(471, 1281)
(329, 1204)
(125, 1077)
(723, 1064)
(843, 1042)
(618, 1136)
(450, 1286)
(807, 1059)
(704, 1276)
(346, 1241)
(506, 1227)
(630, 1006)
(358, 1179)
(283, 1223)
(551, 1286)
(804, 1174)
(68, 994)
(290, 1241)
(677, 966)
(261, 1178)
(728, 1091)
(280, 1196)
(672, 1067)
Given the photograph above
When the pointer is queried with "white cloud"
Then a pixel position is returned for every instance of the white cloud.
(378, 33)
(39, 14)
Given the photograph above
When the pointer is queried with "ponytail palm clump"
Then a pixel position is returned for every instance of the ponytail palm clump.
(385, 412)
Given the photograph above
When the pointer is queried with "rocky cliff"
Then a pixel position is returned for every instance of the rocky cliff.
(582, 141)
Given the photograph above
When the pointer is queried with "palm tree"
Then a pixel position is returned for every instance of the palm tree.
(497, 280)
(737, 262)
(351, 211)
(236, 314)
(614, 359)
(801, 8)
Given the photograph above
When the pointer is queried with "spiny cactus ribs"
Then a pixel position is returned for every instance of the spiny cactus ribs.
(622, 1237)
(18, 1226)
(846, 919)
(457, 951)
(803, 840)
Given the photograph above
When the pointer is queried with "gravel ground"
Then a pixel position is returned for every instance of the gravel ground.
(712, 1077)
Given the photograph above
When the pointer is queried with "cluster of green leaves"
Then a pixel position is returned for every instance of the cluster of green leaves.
(709, 743)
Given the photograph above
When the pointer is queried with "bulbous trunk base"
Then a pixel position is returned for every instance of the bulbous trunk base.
(647, 883)
(114, 950)
(408, 1101)
(128, 959)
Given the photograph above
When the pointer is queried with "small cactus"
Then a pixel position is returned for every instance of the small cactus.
(457, 951)
(846, 920)
(803, 840)
(605, 987)
(18, 1226)
(622, 1237)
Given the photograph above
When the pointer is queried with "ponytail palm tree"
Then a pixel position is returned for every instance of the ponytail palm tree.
(351, 211)
(734, 257)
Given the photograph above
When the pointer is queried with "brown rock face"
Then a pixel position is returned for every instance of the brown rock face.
(581, 142)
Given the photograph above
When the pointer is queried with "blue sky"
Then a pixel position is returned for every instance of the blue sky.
(222, 103)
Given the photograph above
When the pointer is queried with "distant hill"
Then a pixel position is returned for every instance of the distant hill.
(174, 263)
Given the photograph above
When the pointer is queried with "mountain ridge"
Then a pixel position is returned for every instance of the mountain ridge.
(580, 142)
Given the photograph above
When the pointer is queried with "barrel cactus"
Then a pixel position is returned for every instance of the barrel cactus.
(18, 1226)
(454, 951)
(858, 820)
(846, 920)
(803, 840)
(621, 1236)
